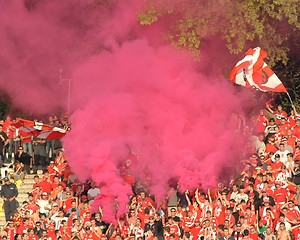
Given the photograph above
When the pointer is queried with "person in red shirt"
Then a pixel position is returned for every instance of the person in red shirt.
(296, 128)
(252, 232)
(56, 182)
(52, 170)
(284, 127)
(271, 147)
(31, 235)
(291, 140)
(230, 217)
(65, 230)
(276, 166)
(24, 227)
(89, 235)
(269, 218)
(144, 216)
(260, 122)
(295, 231)
(280, 195)
(145, 201)
(279, 113)
(10, 230)
(195, 230)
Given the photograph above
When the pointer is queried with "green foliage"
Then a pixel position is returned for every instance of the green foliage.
(290, 76)
(4, 106)
(242, 24)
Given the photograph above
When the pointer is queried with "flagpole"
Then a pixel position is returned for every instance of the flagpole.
(290, 98)
(293, 107)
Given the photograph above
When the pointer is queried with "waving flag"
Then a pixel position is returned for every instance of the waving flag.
(253, 72)
(39, 130)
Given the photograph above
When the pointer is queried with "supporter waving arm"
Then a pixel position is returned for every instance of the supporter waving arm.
(209, 198)
(187, 198)
(197, 196)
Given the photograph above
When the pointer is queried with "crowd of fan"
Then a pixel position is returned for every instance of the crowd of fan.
(259, 204)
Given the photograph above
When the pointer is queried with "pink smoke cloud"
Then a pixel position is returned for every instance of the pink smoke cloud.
(153, 102)
(131, 94)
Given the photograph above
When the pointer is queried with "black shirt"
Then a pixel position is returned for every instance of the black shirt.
(23, 158)
(9, 191)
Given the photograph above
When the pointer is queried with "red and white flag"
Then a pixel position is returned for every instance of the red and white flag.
(39, 130)
(253, 72)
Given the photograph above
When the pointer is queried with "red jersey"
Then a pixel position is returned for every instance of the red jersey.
(46, 186)
(296, 233)
(33, 237)
(7, 128)
(11, 232)
(195, 231)
(283, 128)
(279, 115)
(296, 131)
(271, 148)
(280, 195)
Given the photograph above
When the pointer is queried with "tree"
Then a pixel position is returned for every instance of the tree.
(241, 24)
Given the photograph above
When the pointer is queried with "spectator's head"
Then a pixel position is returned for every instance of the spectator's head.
(25, 221)
(282, 226)
(30, 231)
(55, 206)
(226, 232)
(283, 120)
(38, 224)
(268, 231)
(252, 229)
(73, 211)
(61, 213)
(172, 237)
(281, 147)
(242, 219)
(271, 140)
(18, 237)
(272, 121)
(27, 214)
(246, 232)
(11, 224)
(64, 223)
(173, 211)
(36, 179)
(6, 180)
(56, 179)
(278, 185)
(68, 195)
(42, 216)
(238, 227)
(170, 220)
(226, 223)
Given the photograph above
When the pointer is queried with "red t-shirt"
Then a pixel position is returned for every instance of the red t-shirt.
(6, 128)
(11, 232)
(279, 115)
(296, 131)
(280, 195)
(33, 237)
(46, 186)
(91, 236)
(296, 233)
